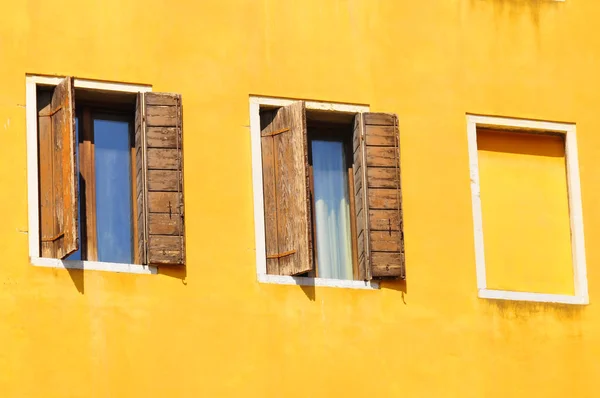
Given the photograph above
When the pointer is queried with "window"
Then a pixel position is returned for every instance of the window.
(529, 240)
(104, 156)
(330, 166)
(331, 197)
(111, 141)
(109, 173)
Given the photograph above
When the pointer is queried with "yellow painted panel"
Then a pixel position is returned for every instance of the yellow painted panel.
(525, 212)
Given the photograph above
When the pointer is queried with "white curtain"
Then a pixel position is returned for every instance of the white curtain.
(332, 210)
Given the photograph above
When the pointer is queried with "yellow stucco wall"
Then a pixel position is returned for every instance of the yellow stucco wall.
(213, 331)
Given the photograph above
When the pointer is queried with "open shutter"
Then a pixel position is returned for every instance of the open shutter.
(159, 179)
(378, 196)
(58, 179)
(286, 191)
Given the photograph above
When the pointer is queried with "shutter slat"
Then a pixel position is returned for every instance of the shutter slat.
(380, 220)
(169, 99)
(360, 192)
(360, 227)
(381, 156)
(385, 119)
(163, 159)
(377, 157)
(164, 202)
(358, 184)
(162, 179)
(360, 245)
(286, 191)
(381, 198)
(162, 137)
(158, 115)
(387, 264)
(164, 257)
(380, 135)
(163, 224)
(381, 177)
(141, 226)
(384, 241)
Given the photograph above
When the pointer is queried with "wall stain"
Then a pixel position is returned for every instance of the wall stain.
(515, 8)
(525, 310)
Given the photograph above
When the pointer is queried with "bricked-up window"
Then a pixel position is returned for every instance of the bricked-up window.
(110, 176)
(332, 195)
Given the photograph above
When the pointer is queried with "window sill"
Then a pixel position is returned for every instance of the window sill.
(305, 281)
(535, 297)
(93, 266)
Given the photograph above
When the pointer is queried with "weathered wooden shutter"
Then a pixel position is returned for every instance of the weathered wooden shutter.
(159, 185)
(58, 179)
(378, 196)
(286, 191)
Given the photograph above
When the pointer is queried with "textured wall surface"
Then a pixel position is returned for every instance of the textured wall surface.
(213, 330)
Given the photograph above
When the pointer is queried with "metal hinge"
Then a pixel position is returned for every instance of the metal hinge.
(52, 113)
(271, 134)
(53, 238)
(280, 255)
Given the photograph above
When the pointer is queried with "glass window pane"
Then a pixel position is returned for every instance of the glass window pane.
(332, 210)
(113, 188)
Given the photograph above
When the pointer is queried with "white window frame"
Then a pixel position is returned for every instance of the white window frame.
(256, 102)
(31, 82)
(575, 208)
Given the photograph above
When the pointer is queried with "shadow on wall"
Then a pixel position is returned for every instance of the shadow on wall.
(309, 291)
(518, 7)
(77, 278)
(174, 272)
(77, 275)
(399, 285)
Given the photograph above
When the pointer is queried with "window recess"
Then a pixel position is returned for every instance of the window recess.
(110, 175)
(332, 193)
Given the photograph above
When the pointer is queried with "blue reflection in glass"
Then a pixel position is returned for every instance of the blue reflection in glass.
(77, 254)
(113, 188)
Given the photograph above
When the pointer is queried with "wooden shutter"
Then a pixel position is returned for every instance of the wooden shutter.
(286, 191)
(378, 196)
(58, 179)
(159, 179)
